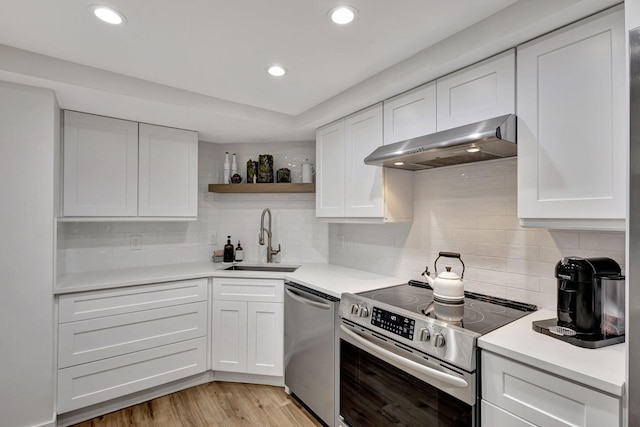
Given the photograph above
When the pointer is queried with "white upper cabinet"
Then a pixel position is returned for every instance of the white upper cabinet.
(410, 114)
(477, 92)
(168, 175)
(363, 183)
(347, 189)
(116, 168)
(100, 166)
(572, 128)
(330, 170)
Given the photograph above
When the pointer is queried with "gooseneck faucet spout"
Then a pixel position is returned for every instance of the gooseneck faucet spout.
(270, 251)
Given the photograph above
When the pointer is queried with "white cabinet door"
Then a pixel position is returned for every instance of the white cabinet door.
(100, 166)
(265, 338)
(411, 114)
(478, 92)
(572, 129)
(363, 183)
(168, 179)
(331, 176)
(229, 336)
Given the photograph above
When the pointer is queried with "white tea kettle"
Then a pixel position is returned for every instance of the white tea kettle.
(447, 286)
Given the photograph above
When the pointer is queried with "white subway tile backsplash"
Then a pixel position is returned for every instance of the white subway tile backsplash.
(472, 209)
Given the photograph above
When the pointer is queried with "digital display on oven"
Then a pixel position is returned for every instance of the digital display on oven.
(392, 322)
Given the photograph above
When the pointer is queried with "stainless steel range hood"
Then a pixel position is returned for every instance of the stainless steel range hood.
(486, 140)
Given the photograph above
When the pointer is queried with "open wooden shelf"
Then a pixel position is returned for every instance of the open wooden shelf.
(263, 188)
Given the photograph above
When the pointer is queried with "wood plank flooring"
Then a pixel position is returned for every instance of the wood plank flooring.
(213, 404)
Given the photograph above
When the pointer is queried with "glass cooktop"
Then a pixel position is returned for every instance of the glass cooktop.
(478, 313)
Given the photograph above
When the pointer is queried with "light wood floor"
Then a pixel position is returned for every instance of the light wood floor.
(213, 404)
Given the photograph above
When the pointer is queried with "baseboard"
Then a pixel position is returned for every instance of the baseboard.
(50, 423)
(235, 377)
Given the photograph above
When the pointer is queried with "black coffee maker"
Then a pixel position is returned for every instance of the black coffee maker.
(579, 291)
(580, 304)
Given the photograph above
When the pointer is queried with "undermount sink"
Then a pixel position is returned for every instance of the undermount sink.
(277, 269)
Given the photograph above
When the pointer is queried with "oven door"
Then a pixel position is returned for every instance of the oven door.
(384, 383)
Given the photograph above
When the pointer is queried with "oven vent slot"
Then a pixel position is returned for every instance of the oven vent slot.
(380, 337)
(349, 323)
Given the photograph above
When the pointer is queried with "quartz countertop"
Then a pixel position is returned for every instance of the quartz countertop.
(602, 369)
(328, 278)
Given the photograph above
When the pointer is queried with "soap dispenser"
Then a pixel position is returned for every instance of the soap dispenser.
(239, 252)
(228, 251)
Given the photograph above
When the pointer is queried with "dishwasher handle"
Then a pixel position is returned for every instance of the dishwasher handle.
(300, 298)
(409, 364)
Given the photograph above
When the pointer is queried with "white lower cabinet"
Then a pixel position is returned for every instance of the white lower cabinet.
(515, 395)
(247, 330)
(115, 342)
(229, 336)
(90, 383)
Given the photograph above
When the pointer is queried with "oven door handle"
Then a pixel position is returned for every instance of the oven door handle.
(409, 364)
(304, 300)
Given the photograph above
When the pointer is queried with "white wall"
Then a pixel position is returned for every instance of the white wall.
(29, 125)
(471, 209)
(99, 246)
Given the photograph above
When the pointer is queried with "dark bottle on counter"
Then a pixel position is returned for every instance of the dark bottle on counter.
(228, 251)
(239, 252)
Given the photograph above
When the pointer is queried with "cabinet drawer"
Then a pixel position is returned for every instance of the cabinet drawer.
(542, 398)
(109, 302)
(493, 416)
(95, 339)
(96, 382)
(239, 289)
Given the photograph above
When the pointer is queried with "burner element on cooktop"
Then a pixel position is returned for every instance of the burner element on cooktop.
(399, 299)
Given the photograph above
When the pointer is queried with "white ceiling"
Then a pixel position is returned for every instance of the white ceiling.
(200, 64)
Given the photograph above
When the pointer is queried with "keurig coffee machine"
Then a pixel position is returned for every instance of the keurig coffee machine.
(586, 286)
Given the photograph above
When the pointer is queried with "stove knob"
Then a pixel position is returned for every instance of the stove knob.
(354, 308)
(438, 339)
(424, 334)
(363, 311)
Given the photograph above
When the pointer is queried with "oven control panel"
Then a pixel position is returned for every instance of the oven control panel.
(392, 322)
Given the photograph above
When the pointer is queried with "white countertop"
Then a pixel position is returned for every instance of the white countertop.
(602, 368)
(336, 280)
(328, 278)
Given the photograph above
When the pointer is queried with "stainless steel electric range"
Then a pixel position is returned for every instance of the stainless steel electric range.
(407, 359)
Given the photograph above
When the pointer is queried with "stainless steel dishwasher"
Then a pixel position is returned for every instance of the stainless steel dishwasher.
(312, 350)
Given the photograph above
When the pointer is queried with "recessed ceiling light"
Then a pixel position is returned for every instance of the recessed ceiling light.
(107, 14)
(276, 71)
(342, 15)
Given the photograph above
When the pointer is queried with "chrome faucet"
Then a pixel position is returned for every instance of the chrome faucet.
(270, 251)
